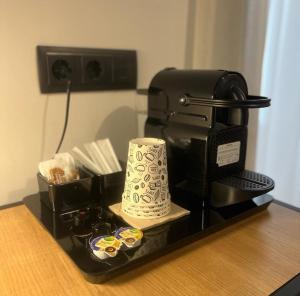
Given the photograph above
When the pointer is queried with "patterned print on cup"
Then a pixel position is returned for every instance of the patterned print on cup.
(146, 185)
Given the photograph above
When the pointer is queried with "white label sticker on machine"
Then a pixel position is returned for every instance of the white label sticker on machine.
(228, 153)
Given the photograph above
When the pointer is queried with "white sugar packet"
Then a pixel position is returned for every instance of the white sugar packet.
(108, 151)
(84, 160)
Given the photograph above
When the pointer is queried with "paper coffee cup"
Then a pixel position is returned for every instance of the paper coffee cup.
(146, 192)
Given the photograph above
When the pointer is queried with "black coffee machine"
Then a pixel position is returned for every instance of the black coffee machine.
(203, 116)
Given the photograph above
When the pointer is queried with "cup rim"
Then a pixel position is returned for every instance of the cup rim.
(143, 215)
(147, 141)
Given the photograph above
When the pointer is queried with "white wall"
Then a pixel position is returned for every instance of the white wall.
(230, 35)
(219, 34)
(31, 123)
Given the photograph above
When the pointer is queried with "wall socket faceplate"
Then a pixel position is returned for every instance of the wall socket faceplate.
(88, 69)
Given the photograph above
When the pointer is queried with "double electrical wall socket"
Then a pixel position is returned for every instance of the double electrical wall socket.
(88, 69)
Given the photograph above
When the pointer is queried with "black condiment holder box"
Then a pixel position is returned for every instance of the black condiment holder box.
(108, 187)
(103, 183)
(67, 196)
(89, 189)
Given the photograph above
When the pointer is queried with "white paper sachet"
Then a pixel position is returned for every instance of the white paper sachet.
(109, 154)
(100, 159)
(85, 161)
(94, 158)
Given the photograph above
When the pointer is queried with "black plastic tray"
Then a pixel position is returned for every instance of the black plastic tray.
(156, 242)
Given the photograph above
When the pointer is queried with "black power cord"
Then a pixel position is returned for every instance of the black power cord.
(66, 116)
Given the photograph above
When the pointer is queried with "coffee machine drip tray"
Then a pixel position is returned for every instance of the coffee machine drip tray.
(74, 230)
(239, 187)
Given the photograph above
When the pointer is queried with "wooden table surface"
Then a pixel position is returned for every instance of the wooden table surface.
(252, 257)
